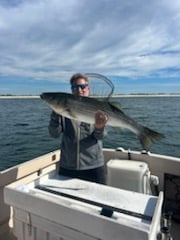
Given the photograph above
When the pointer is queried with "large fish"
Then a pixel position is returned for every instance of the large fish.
(83, 109)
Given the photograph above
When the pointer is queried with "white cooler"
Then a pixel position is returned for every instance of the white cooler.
(54, 207)
(129, 175)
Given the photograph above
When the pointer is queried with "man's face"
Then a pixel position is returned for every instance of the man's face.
(80, 87)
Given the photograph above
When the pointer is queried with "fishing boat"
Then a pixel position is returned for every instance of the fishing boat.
(140, 201)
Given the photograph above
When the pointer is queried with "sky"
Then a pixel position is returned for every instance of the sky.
(135, 43)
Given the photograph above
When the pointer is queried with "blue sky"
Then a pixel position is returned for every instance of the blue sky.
(135, 44)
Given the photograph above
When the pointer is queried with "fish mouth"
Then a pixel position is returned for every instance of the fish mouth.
(45, 96)
(42, 96)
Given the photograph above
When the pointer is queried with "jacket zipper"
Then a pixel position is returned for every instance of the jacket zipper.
(78, 146)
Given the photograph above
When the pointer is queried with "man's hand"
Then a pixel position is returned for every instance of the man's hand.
(101, 119)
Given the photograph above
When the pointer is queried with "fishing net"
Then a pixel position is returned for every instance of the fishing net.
(100, 86)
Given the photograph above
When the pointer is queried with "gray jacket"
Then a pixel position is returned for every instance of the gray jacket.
(81, 146)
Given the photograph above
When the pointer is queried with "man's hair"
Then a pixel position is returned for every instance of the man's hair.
(76, 76)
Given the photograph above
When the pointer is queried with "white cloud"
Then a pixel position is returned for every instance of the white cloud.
(47, 39)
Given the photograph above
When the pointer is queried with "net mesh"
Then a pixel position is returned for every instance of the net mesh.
(100, 85)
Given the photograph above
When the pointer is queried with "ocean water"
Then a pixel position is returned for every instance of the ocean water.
(24, 127)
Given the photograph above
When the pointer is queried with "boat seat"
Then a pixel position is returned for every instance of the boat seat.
(129, 175)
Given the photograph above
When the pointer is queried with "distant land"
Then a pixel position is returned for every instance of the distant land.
(18, 96)
(114, 95)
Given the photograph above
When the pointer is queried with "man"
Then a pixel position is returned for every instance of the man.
(81, 147)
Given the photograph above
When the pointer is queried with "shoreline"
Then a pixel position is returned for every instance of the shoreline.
(18, 96)
(114, 96)
(148, 95)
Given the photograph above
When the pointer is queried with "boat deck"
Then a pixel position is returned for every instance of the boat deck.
(93, 210)
(31, 170)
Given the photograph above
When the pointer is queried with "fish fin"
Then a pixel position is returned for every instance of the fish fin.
(115, 105)
(149, 136)
(71, 113)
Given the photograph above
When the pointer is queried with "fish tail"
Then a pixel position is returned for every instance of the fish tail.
(148, 136)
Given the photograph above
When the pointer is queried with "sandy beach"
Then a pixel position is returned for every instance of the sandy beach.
(114, 96)
(19, 96)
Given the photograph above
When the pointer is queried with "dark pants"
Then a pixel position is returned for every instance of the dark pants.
(93, 175)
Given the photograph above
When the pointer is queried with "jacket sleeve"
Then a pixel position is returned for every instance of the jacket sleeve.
(55, 125)
(99, 133)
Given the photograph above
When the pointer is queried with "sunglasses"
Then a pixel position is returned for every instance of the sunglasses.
(76, 86)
